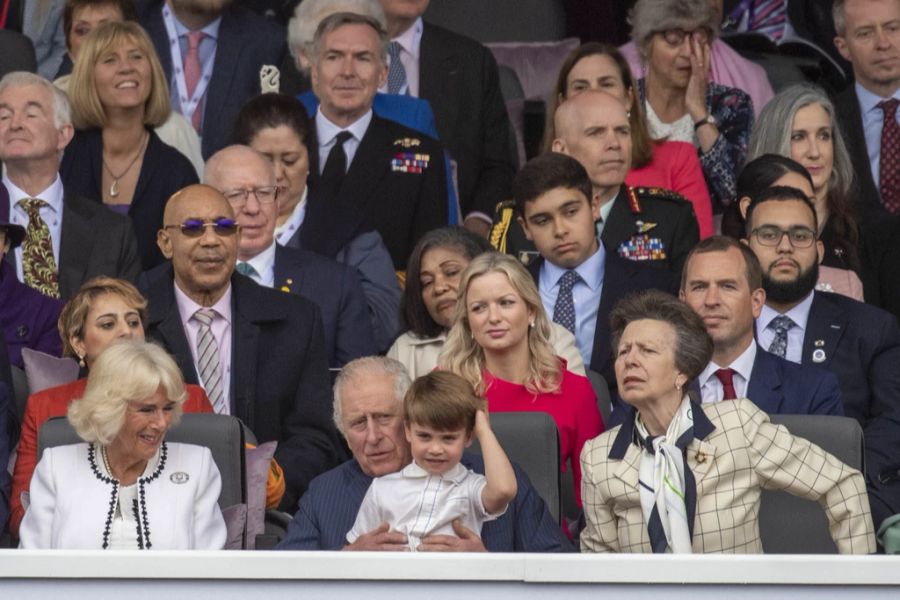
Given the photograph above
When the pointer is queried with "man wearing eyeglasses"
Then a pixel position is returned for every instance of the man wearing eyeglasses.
(258, 353)
(857, 342)
(247, 179)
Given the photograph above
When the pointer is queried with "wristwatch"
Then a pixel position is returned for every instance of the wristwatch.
(707, 120)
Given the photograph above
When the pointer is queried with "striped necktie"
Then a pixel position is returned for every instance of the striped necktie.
(208, 359)
(38, 264)
(768, 17)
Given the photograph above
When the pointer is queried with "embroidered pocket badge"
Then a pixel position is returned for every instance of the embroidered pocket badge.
(410, 162)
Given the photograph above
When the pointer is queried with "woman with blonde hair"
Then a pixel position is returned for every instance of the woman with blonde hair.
(125, 487)
(119, 94)
(500, 344)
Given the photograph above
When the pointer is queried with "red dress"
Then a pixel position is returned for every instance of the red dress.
(574, 408)
(675, 166)
(54, 402)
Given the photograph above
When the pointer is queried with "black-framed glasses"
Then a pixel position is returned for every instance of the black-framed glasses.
(194, 228)
(264, 195)
(771, 235)
(675, 37)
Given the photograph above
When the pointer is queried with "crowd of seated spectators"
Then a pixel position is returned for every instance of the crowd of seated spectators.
(312, 216)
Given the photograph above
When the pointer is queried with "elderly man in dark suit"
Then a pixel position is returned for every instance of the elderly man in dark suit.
(857, 342)
(722, 282)
(247, 179)
(459, 78)
(366, 173)
(68, 239)
(259, 354)
(214, 67)
(368, 410)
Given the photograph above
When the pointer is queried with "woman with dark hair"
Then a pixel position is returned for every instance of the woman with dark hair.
(428, 307)
(678, 477)
(654, 162)
(277, 126)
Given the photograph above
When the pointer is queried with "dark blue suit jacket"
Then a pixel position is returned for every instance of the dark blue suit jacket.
(861, 346)
(779, 386)
(328, 510)
(246, 42)
(337, 291)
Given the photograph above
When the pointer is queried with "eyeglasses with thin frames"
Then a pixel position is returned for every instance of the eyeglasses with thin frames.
(194, 228)
(264, 195)
(798, 235)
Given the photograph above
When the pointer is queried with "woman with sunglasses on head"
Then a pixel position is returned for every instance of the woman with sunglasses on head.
(119, 94)
(673, 40)
(103, 311)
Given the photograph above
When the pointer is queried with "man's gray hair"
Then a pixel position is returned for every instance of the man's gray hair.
(355, 371)
(309, 13)
(650, 16)
(62, 111)
(337, 20)
(839, 17)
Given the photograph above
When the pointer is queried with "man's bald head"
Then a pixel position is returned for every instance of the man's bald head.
(219, 166)
(592, 127)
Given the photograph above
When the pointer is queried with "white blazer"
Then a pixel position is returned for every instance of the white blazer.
(72, 501)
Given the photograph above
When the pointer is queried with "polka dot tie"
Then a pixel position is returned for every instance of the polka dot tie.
(396, 70)
(781, 325)
(889, 170)
(564, 311)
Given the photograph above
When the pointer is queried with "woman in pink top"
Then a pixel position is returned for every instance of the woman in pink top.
(654, 163)
(499, 344)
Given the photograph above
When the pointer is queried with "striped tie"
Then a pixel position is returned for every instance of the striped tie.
(38, 264)
(208, 360)
(768, 17)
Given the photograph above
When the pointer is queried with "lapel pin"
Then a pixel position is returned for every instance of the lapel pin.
(701, 458)
(818, 355)
(819, 343)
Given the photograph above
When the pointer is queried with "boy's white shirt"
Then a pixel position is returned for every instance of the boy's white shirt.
(418, 504)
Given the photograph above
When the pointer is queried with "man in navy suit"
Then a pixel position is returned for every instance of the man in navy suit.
(368, 410)
(233, 43)
(722, 282)
(859, 343)
(247, 179)
(557, 211)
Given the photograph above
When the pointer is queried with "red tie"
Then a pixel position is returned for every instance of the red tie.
(889, 172)
(726, 376)
(192, 70)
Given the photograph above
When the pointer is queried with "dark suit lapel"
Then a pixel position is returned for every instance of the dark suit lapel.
(244, 350)
(369, 166)
(764, 387)
(619, 224)
(824, 328)
(438, 67)
(75, 247)
(288, 273)
(854, 133)
(166, 319)
(228, 52)
(614, 281)
(156, 28)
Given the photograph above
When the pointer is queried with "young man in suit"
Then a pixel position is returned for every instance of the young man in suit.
(214, 67)
(247, 179)
(259, 353)
(459, 78)
(722, 282)
(366, 173)
(84, 238)
(579, 279)
(868, 35)
(859, 343)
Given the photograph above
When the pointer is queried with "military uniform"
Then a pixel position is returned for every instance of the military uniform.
(655, 225)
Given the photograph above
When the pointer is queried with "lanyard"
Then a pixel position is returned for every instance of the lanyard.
(188, 105)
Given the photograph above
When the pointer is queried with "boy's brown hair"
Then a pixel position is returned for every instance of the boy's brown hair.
(442, 400)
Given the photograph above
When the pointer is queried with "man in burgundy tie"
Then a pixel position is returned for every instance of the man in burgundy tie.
(722, 282)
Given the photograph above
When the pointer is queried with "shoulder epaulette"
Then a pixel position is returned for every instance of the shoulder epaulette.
(504, 217)
(657, 193)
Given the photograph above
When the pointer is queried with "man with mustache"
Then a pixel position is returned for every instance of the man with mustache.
(259, 353)
(857, 342)
(722, 282)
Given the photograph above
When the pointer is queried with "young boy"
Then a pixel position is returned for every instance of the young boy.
(424, 498)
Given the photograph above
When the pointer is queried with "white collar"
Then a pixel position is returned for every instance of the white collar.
(590, 271)
(742, 365)
(868, 101)
(326, 131)
(799, 314)
(53, 195)
(411, 39)
(263, 262)
(456, 474)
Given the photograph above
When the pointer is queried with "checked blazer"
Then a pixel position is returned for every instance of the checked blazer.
(736, 453)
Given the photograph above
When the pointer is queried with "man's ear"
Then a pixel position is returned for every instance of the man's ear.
(408, 431)
(66, 133)
(559, 145)
(524, 225)
(165, 243)
(743, 205)
(841, 44)
(757, 301)
(820, 249)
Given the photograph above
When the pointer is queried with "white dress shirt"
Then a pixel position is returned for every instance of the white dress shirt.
(799, 315)
(873, 123)
(711, 389)
(326, 133)
(264, 265)
(410, 42)
(51, 214)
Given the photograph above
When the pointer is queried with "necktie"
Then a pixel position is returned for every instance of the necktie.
(38, 264)
(335, 167)
(768, 17)
(564, 310)
(245, 268)
(726, 376)
(192, 70)
(208, 359)
(889, 169)
(396, 71)
(781, 325)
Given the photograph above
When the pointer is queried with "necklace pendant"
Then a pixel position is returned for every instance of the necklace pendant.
(114, 189)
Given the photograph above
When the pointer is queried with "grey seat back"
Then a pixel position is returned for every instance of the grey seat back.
(222, 434)
(792, 525)
(531, 440)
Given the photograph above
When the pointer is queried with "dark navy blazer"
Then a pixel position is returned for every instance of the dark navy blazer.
(779, 386)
